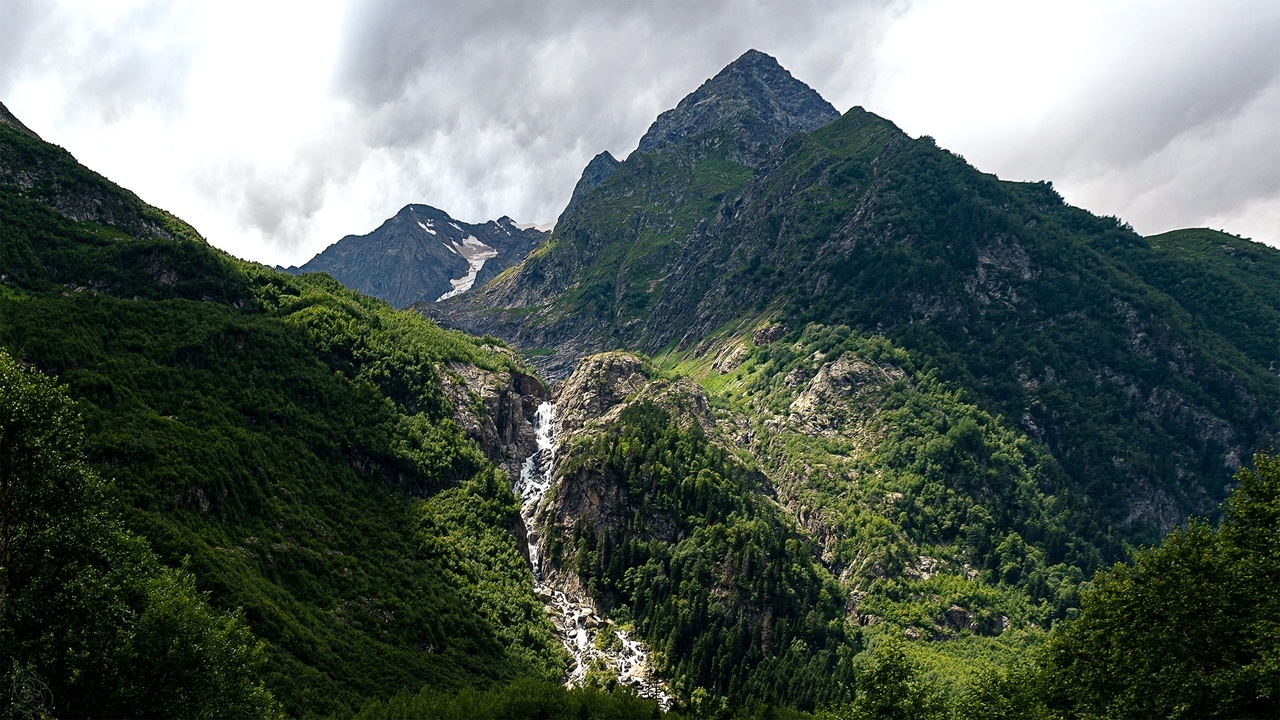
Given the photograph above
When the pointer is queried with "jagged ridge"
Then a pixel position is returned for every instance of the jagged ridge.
(421, 253)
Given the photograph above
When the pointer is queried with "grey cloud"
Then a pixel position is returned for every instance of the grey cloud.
(1165, 79)
(1173, 123)
(500, 105)
(19, 24)
(491, 108)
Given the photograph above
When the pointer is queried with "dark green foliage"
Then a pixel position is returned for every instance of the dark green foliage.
(270, 449)
(718, 581)
(91, 623)
(1229, 284)
(890, 687)
(1014, 691)
(1191, 629)
(288, 439)
(521, 700)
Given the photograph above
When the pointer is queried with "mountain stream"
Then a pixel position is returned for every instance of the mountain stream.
(595, 642)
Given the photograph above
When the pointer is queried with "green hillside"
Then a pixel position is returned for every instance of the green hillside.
(1148, 381)
(289, 442)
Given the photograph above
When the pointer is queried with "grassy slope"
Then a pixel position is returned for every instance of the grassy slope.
(287, 438)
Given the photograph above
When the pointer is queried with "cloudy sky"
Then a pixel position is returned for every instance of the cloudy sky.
(277, 128)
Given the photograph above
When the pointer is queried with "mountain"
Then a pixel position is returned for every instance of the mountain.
(752, 105)
(802, 411)
(423, 255)
(1072, 327)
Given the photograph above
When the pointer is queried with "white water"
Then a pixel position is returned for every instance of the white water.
(575, 617)
(535, 479)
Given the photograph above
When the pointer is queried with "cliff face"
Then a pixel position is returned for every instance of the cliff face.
(497, 409)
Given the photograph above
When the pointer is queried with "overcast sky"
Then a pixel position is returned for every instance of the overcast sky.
(277, 128)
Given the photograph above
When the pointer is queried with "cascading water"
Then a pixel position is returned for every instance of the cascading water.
(535, 479)
(575, 618)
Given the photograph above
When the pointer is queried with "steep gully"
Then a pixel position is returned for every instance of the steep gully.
(573, 614)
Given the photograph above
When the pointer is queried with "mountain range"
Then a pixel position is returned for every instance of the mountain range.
(727, 221)
(791, 415)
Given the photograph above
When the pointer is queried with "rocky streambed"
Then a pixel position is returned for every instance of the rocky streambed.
(600, 648)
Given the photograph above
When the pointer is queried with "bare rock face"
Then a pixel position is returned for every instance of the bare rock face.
(497, 410)
(830, 404)
(601, 388)
(599, 383)
(753, 101)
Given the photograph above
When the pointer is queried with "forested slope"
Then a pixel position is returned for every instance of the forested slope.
(294, 445)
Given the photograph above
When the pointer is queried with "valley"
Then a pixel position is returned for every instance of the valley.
(790, 415)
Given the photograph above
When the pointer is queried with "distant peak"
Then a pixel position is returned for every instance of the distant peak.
(7, 118)
(419, 209)
(753, 99)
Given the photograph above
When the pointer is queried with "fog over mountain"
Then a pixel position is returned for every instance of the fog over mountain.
(277, 131)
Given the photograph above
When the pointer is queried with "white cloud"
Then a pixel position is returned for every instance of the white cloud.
(278, 128)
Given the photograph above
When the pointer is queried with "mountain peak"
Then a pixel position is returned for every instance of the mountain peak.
(753, 99)
(593, 176)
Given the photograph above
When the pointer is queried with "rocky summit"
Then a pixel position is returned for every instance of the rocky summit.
(754, 104)
(423, 255)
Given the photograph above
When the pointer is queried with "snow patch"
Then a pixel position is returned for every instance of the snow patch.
(476, 254)
(426, 227)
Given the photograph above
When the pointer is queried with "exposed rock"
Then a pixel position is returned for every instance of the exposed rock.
(504, 429)
(730, 358)
(754, 101)
(599, 383)
(957, 618)
(832, 397)
(770, 333)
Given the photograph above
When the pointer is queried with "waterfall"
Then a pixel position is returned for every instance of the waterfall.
(535, 479)
(574, 616)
